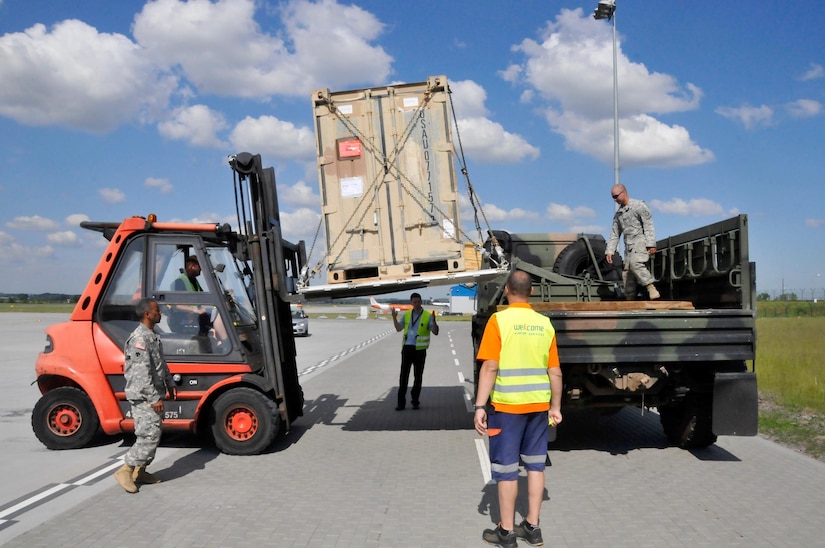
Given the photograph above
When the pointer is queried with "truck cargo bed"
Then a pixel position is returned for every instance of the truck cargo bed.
(656, 335)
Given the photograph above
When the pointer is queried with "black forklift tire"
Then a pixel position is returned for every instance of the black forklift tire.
(65, 418)
(244, 422)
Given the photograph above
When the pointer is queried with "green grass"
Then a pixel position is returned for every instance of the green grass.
(791, 377)
(789, 354)
(37, 307)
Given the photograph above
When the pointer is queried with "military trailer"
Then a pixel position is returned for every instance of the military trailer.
(685, 355)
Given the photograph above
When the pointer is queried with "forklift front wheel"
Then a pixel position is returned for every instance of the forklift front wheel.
(64, 418)
(244, 422)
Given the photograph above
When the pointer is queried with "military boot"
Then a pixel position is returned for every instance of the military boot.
(652, 292)
(140, 475)
(124, 478)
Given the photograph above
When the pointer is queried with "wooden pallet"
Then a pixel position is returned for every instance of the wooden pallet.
(611, 306)
(401, 271)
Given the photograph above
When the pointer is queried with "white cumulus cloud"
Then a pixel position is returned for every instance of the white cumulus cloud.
(748, 116)
(112, 195)
(696, 207)
(299, 194)
(569, 72)
(197, 124)
(221, 49)
(566, 214)
(273, 138)
(67, 238)
(74, 76)
(163, 185)
(75, 219)
(814, 72)
(35, 222)
(804, 108)
(488, 142)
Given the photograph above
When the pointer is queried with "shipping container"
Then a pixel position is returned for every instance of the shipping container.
(387, 179)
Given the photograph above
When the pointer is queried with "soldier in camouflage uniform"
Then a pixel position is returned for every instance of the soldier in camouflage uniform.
(633, 218)
(147, 382)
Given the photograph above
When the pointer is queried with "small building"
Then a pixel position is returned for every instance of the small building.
(463, 299)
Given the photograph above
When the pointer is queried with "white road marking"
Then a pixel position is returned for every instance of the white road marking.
(484, 461)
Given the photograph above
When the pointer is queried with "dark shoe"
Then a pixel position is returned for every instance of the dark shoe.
(498, 537)
(530, 534)
(399, 407)
(416, 405)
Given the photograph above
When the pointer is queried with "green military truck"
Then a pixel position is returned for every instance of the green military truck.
(687, 355)
(388, 170)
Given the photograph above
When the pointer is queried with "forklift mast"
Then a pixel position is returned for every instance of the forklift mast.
(276, 265)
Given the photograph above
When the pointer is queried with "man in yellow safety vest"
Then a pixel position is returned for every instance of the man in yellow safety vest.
(417, 324)
(522, 378)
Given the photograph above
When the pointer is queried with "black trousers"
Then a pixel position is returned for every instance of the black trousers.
(411, 358)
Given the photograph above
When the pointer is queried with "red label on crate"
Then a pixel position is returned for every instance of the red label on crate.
(349, 148)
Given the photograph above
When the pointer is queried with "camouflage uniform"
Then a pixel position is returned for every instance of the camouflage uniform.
(636, 223)
(147, 381)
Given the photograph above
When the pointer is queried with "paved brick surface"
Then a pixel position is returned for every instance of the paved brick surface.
(354, 472)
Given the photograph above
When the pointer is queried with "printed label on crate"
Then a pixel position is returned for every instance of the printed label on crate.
(352, 187)
(449, 229)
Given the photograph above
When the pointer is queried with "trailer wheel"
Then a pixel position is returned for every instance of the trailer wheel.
(244, 422)
(689, 424)
(574, 260)
(64, 418)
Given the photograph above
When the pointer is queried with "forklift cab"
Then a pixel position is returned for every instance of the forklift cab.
(202, 316)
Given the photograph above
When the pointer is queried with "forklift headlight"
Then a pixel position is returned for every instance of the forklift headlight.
(49, 345)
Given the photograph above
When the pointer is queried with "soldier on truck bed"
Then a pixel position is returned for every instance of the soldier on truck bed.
(633, 218)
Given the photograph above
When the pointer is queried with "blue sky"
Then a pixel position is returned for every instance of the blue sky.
(113, 109)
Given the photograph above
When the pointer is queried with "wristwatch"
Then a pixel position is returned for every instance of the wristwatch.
(477, 407)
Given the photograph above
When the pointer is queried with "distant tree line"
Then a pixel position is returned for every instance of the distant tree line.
(41, 298)
(811, 294)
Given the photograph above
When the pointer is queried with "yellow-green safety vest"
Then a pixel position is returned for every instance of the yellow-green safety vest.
(422, 340)
(522, 376)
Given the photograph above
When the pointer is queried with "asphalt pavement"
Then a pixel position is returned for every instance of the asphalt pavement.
(354, 472)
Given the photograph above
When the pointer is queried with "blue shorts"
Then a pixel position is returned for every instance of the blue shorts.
(517, 436)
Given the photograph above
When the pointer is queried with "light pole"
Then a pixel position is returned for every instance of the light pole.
(606, 9)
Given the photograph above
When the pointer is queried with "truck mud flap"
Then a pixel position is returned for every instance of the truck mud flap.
(735, 404)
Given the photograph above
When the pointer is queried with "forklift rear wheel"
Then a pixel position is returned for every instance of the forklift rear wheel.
(244, 422)
(64, 418)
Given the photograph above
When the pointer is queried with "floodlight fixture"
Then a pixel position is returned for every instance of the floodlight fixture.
(605, 10)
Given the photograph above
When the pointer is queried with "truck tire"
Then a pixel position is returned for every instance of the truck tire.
(65, 418)
(688, 424)
(574, 260)
(244, 422)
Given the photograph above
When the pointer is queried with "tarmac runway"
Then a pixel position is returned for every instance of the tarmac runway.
(354, 472)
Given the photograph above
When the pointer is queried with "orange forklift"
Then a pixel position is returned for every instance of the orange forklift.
(227, 338)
